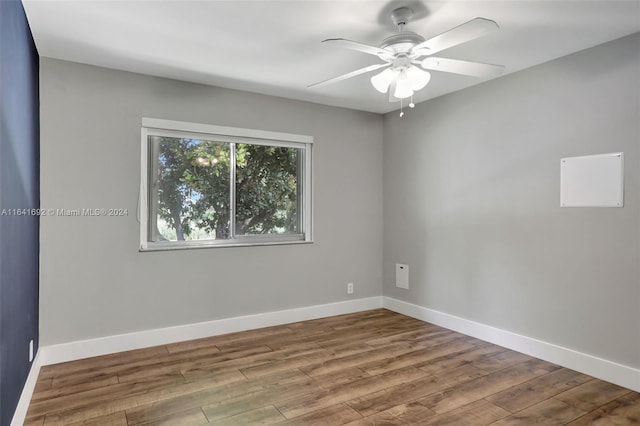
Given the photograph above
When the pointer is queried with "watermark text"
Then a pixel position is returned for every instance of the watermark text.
(98, 212)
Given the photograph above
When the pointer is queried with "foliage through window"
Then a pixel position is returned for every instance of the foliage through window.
(207, 189)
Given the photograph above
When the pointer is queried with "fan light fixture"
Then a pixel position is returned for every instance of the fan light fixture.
(406, 55)
(408, 80)
(383, 80)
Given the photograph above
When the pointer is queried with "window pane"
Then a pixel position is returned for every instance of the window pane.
(191, 189)
(267, 189)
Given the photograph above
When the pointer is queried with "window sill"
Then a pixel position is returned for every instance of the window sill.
(163, 247)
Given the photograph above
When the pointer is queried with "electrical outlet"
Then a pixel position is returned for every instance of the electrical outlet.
(350, 288)
(30, 350)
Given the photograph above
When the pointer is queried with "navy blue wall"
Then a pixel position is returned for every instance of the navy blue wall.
(19, 189)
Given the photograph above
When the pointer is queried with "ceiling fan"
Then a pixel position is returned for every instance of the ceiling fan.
(407, 55)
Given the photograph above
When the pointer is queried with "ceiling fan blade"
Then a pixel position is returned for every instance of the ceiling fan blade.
(360, 47)
(461, 34)
(350, 74)
(475, 69)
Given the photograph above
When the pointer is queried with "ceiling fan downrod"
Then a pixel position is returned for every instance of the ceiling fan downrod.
(401, 17)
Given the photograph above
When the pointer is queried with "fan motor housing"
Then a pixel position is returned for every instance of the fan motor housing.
(401, 42)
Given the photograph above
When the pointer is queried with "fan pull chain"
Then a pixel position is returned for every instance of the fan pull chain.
(411, 104)
(401, 112)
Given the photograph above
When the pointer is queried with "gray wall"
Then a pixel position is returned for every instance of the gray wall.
(471, 203)
(94, 282)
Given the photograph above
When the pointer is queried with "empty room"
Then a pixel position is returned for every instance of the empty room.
(319, 212)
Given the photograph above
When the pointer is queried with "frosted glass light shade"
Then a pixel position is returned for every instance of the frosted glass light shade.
(382, 80)
(403, 86)
(418, 77)
(407, 81)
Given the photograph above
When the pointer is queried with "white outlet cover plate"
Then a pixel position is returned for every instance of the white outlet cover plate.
(402, 276)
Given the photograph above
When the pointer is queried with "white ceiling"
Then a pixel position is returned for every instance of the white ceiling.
(273, 47)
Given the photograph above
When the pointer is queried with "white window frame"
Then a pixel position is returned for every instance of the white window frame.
(180, 129)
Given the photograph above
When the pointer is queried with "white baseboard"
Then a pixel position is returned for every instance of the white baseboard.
(25, 397)
(71, 351)
(603, 369)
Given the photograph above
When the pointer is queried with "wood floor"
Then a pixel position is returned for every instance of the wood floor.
(370, 368)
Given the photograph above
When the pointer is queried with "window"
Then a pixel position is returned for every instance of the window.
(205, 185)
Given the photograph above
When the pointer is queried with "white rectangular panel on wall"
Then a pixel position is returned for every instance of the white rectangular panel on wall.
(592, 181)
(402, 276)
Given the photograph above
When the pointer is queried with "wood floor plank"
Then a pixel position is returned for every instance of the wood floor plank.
(190, 345)
(139, 361)
(330, 339)
(191, 349)
(344, 331)
(152, 373)
(96, 396)
(237, 338)
(85, 376)
(342, 393)
(255, 400)
(214, 377)
(550, 412)
(102, 363)
(409, 336)
(336, 378)
(461, 374)
(261, 416)
(384, 321)
(344, 318)
(588, 396)
(71, 387)
(482, 387)
(375, 402)
(473, 356)
(619, 412)
(80, 409)
(316, 356)
(270, 340)
(480, 412)
(357, 359)
(445, 337)
(116, 419)
(34, 421)
(338, 414)
(142, 413)
(339, 341)
(251, 357)
(416, 357)
(179, 362)
(412, 413)
(365, 368)
(43, 385)
(538, 389)
(384, 399)
(501, 360)
(190, 417)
